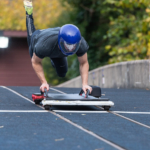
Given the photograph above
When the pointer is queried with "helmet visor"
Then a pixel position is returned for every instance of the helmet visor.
(67, 48)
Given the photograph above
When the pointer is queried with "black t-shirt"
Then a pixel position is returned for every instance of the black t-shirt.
(45, 44)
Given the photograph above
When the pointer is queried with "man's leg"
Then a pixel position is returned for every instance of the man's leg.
(29, 20)
(61, 66)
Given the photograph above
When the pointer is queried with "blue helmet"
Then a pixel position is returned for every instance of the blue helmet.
(69, 39)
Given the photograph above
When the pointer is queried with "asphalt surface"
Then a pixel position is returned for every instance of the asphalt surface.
(24, 125)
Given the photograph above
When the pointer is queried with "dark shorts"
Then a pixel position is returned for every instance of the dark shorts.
(61, 66)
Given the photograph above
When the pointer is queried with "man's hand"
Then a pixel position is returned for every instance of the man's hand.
(44, 86)
(37, 66)
(86, 87)
(84, 68)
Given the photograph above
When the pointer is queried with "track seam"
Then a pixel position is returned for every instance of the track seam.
(131, 120)
(69, 121)
(136, 122)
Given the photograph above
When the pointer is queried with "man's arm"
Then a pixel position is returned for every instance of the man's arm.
(37, 66)
(84, 68)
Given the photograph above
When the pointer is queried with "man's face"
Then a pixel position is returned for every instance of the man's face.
(67, 48)
(70, 47)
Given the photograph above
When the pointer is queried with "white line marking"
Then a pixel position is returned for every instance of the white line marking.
(22, 111)
(130, 112)
(74, 124)
(141, 124)
(20, 95)
(125, 117)
(17, 94)
(65, 93)
(89, 132)
(120, 112)
(70, 111)
(130, 120)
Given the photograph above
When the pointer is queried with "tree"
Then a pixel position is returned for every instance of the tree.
(129, 31)
(12, 14)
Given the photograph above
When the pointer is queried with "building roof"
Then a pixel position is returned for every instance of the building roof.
(10, 33)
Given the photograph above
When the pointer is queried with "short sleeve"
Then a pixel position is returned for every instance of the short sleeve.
(83, 48)
(45, 46)
(44, 42)
(39, 50)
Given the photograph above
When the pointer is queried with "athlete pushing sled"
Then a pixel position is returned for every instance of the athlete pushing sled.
(56, 43)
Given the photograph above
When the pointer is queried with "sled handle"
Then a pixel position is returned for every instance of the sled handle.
(46, 93)
(81, 92)
(87, 93)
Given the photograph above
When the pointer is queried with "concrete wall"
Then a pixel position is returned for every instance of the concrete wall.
(131, 74)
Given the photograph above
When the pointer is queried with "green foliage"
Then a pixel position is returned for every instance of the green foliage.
(13, 17)
(129, 30)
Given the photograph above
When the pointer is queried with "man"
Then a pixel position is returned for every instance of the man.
(56, 43)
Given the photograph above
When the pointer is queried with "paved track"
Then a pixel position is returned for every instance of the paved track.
(25, 125)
